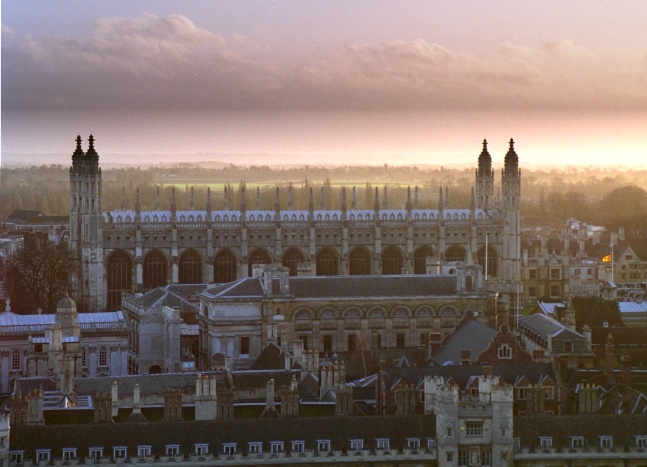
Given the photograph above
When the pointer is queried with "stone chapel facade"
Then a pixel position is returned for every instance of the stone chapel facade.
(136, 251)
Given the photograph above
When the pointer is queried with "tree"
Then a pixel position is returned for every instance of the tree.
(38, 276)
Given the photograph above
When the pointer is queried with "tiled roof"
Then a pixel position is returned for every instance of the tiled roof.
(345, 287)
(471, 335)
(545, 326)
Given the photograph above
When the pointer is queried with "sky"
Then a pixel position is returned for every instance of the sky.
(334, 82)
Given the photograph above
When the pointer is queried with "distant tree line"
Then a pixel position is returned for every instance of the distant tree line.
(601, 196)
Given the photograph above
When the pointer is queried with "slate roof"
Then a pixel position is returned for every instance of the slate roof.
(271, 357)
(544, 326)
(345, 287)
(187, 433)
(471, 335)
(561, 428)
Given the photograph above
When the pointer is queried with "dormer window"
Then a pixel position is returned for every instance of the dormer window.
(143, 451)
(382, 443)
(172, 450)
(606, 441)
(545, 442)
(277, 447)
(323, 445)
(229, 449)
(641, 441)
(577, 442)
(356, 445)
(298, 447)
(413, 444)
(255, 448)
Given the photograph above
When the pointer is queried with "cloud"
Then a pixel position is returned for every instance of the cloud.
(152, 62)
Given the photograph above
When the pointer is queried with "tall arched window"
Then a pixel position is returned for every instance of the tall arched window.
(84, 361)
(455, 253)
(103, 357)
(225, 267)
(327, 262)
(359, 262)
(258, 256)
(190, 268)
(492, 260)
(392, 260)
(15, 361)
(119, 271)
(155, 270)
(420, 259)
(291, 260)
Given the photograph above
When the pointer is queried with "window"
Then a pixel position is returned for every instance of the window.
(382, 443)
(17, 457)
(276, 447)
(172, 450)
(546, 442)
(486, 457)
(589, 271)
(532, 292)
(103, 357)
(69, 454)
(42, 455)
(229, 449)
(450, 432)
(517, 444)
(606, 441)
(413, 444)
(201, 449)
(323, 445)
(119, 452)
(505, 351)
(244, 345)
(84, 361)
(143, 451)
(555, 290)
(95, 453)
(431, 444)
(399, 338)
(15, 361)
(356, 445)
(463, 457)
(298, 447)
(641, 441)
(532, 274)
(352, 342)
(568, 346)
(549, 393)
(554, 274)
(521, 394)
(327, 343)
(474, 428)
(450, 456)
(577, 442)
(577, 271)
(255, 447)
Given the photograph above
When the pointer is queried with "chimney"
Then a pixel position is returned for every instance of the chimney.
(206, 397)
(115, 399)
(466, 357)
(173, 406)
(137, 406)
(625, 369)
(35, 408)
(290, 399)
(487, 370)
(102, 402)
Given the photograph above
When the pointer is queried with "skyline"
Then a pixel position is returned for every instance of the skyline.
(288, 83)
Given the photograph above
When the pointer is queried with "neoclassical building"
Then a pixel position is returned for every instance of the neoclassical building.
(136, 251)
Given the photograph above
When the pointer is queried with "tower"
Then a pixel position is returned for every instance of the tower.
(85, 227)
(484, 179)
(511, 193)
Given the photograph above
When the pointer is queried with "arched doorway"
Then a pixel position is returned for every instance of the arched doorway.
(258, 256)
(190, 267)
(359, 262)
(119, 271)
(392, 261)
(492, 261)
(327, 262)
(225, 267)
(420, 259)
(291, 260)
(455, 253)
(155, 270)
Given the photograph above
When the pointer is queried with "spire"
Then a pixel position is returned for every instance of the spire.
(208, 206)
(290, 199)
(258, 198)
(472, 201)
(441, 204)
(78, 153)
(311, 206)
(322, 199)
(409, 205)
(511, 159)
(485, 160)
(243, 201)
(277, 205)
(415, 198)
(225, 200)
(376, 207)
(353, 201)
(344, 207)
(385, 202)
(123, 198)
(173, 205)
(138, 206)
(446, 196)
(91, 152)
(191, 201)
(158, 203)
